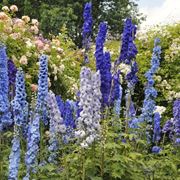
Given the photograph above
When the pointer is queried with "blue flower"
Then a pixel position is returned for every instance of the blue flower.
(42, 87)
(156, 149)
(60, 104)
(5, 114)
(87, 29)
(128, 48)
(167, 126)
(33, 140)
(176, 114)
(157, 128)
(103, 64)
(14, 158)
(19, 103)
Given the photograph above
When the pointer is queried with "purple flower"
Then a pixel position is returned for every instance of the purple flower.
(128, 48)
(87, 29)
(157, 128)
(168, 126)
(176, 114)
(5, 114)
(103, 64)
(156, 149)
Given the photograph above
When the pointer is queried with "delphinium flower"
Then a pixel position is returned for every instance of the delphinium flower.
(42, 87)
(168, 126)
(57, 126)
(176, 114)
(60, 103)
(116, 93)
(12, 78)
(150, 91)
(157, 128)
(20, 114)
(14, 158)
(33, 139)
(19, 103)
(88, 123)
(68, 120)
(5, 114)
(128, 48)
(127, 55)
(87, 29)
(156, 149)
(103, 64)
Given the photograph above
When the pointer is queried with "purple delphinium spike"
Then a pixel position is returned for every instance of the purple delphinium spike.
(42, 87)
(103, 64)
(60, 103)
(12, 78)
(168, 126)
(157, 128)
(176, 114)
(5, 114)
(87, 29)
(128, 48)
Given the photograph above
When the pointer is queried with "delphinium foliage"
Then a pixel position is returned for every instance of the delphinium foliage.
(87, 29)
(20, 114)
(5, 114)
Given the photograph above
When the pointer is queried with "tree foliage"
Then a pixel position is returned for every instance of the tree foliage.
(53, 14)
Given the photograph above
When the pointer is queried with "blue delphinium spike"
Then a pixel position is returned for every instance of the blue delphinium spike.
(128, 48)
(157, 128)
(103, 64)
(42, 88)
(14, 158)
(5, 114)
(176, 114)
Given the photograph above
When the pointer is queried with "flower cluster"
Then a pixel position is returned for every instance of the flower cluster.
(42, 86)
(150, 91)
(5, 114)
(55, 114)
(88, 123)
(12, 74)
(33, 139)
(87, 29)
(157, 128)
(19, 103)
(128, 48)
(103, 64)
(176, 114)
(14, 158)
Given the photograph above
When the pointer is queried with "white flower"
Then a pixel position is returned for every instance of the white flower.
(23, 60)
(35, 22)
(26, 19)
(125, 69)
(160, 109)
(5, 8)
(14, 8)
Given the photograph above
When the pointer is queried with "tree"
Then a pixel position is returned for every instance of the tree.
(53, 14)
